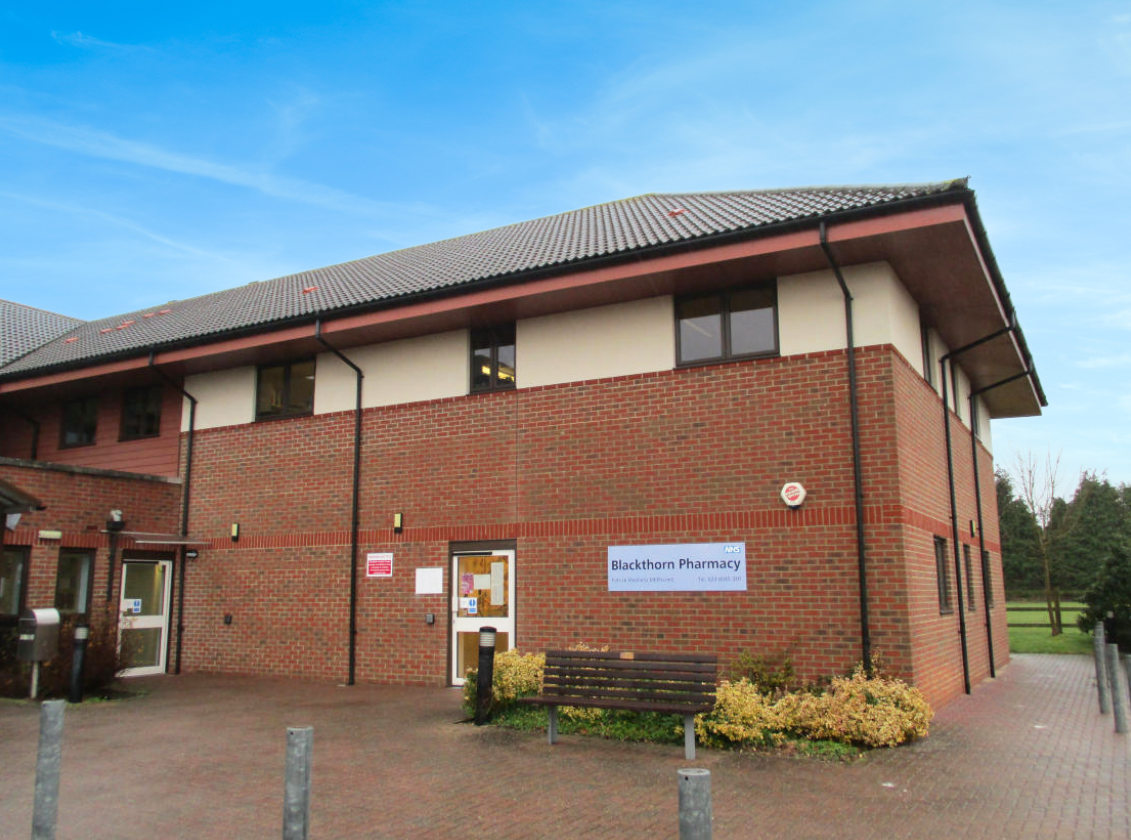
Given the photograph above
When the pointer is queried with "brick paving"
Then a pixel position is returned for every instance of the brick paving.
(1026, 756)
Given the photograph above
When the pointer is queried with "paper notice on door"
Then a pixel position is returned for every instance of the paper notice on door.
(482, 582)
(498, 583)
(467, 583)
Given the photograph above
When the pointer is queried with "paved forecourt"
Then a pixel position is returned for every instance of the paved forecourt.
(1027, 755)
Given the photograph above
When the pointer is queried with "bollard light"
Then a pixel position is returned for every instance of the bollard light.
(486, 674)
(78, 662)
(487, 637)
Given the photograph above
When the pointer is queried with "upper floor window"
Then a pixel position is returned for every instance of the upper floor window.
(285, 390)
(141, 412)
(928, 355)
(736, 324)
(493, 358)
(80, 422)
(72, 583)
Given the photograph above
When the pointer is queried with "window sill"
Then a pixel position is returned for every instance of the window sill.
(722, 360)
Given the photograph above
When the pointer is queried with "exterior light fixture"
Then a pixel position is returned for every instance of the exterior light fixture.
(192, 554)
(398, 522)
(235, 532)
(116, 522)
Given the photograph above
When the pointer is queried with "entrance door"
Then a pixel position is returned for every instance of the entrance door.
(143, 625)
(482, 596)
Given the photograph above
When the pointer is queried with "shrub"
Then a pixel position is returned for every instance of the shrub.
(745, 715)
(768, 675)
(1110, 592)
(515, 675)
(870, 711)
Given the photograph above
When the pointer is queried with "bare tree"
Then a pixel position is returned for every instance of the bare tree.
(1036, 484)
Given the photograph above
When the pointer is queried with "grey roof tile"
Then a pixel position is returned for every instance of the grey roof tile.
(24, 328)
(632, 224)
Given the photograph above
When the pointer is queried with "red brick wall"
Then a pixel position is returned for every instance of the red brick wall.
(78, 504)
(696, 455)
(925, 497)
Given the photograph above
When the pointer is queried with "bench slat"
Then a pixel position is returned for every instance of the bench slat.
(619, 705)
(639, 696)
(573, 680)
(632, 665)
(631, 655)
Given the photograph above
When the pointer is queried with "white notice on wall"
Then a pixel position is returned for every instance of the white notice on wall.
(430, 581)
(498, 575)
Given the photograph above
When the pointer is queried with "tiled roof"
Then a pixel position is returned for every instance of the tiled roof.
(23, 328)
(634, 224)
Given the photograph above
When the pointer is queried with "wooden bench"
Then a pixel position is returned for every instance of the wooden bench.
(669, 683)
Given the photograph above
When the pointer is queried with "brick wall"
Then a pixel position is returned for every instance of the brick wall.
(78, 503)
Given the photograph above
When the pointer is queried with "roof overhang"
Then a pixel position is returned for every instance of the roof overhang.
(15, 500)
(939, 251)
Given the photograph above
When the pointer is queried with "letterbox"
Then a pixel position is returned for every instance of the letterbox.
(39, 635)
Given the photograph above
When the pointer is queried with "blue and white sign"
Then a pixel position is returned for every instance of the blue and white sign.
(694, 567)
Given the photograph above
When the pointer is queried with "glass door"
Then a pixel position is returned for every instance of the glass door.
(143, 624)
(482, 596)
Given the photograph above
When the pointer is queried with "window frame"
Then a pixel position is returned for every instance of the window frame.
(24, 553)
(723, 296)
(928, 355)
(492, 334)
(968, 567)
(87, 557)
(288, 368)
(987, 577)
(123, 434)
(85, 401)
(942, 576)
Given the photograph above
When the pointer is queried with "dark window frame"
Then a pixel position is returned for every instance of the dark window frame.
(123, 432)
(87, 555)
(288, 368)
(494, 337)
(724, 300)
(987, 577)
(942, 575)
(63, 420)
(928, 356)
(968, 566)
(21, 600)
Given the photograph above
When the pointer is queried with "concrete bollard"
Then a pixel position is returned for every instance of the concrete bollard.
(296, 791)
(1101, 668)
(47, 766)
(1127, 672)
(694, 804)
(1118, 700)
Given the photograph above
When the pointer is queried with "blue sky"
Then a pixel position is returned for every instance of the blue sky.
(151, 155)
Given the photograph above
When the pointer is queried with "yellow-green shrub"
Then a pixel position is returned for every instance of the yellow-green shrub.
(744, 715)
(874, 712)
(515, 675)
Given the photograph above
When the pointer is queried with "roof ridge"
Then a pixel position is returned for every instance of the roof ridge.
(44, 311)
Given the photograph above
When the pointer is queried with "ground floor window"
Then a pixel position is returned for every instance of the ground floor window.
(987, 578)
(943, 575)
(72, 583)
(13, 581)
(968, 565)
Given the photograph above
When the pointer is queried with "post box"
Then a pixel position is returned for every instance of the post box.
(39, 635)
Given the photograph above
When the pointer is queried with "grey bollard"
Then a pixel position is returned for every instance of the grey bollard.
(1127, 671)
(1118, 701)
(47, 766)
(1101, 668)
(296, 792)
(694, 804)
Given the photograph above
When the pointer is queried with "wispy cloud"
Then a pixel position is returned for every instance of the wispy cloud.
(101, 144)
(118, 221)
(1119, 360)
(86, 42)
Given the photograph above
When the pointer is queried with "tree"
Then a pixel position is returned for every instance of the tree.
(1111, 593)
(1037, 487)
(1087, 530)
(1020, 554)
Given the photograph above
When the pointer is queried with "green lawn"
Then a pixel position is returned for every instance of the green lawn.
(1038, 639)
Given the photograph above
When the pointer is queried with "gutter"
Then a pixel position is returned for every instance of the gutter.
(184, 510)
(857, 469)
(354, 517)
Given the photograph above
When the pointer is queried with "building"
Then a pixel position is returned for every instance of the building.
(342, 474)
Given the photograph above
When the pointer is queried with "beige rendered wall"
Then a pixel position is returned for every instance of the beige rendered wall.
(223, 398)
(616, 340)
(428, 367)
(811, 312)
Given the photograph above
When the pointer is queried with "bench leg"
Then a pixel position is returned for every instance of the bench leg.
(689, 737)
(552, 729)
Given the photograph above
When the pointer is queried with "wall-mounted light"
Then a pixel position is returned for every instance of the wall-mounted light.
(116, 522)
(398, 522)
(51, 535)
(235, 531)
(192, 554)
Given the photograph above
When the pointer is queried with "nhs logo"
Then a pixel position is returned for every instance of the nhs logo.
(732, 549)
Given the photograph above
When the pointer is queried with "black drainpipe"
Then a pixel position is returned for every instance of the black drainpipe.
(354, 506)
(857, 470)
(184, 511)
(978, 499)
(949, 357)
(34, 429)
